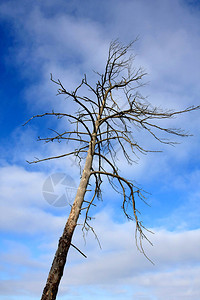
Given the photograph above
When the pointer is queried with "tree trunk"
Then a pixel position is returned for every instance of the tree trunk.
(57, 268)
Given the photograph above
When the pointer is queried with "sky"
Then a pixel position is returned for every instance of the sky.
(70, 39)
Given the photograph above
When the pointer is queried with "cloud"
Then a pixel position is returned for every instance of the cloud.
(118, 264)
(181, 283)
(22, 204)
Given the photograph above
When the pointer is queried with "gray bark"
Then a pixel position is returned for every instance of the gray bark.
(57, 268)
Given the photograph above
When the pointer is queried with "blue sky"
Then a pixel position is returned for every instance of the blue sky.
(69, 39)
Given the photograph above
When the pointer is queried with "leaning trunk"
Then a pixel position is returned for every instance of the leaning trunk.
(57, 268)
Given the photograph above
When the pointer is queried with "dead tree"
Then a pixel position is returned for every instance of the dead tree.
(100, 123)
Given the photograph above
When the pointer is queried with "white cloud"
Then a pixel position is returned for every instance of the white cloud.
(22, 204)
(180, 283)
(119, 265)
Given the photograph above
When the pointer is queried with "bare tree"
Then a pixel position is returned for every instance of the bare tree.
(100, 124)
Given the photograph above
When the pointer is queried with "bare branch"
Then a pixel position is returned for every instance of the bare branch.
(58, 156)
(60, 115)
(79, 250)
